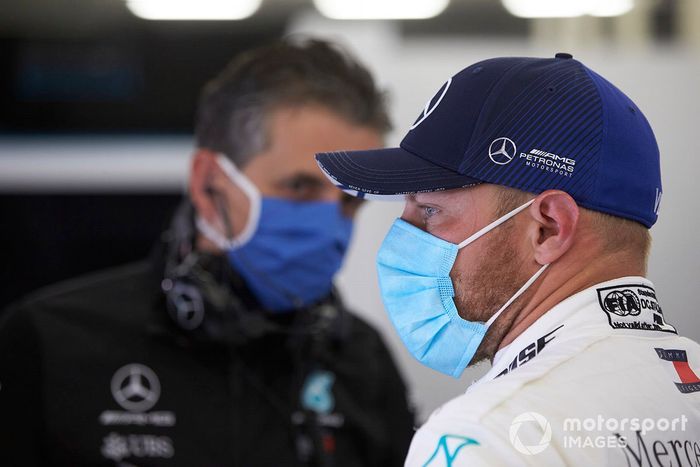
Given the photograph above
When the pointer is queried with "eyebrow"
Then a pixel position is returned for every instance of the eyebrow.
(305, 177)
(413, 197)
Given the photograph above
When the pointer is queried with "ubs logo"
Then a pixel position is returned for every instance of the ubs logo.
(135, 387)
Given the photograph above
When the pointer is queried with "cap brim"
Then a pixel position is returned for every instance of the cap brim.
(388, 172)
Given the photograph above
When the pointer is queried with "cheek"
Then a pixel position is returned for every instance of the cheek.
(481, 280)
(470, 282)
(465, 268)
(456, 226)
(468, 257)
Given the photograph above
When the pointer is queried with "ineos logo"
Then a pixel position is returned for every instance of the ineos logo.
(135, 387)
(502, 150)
(430, 106)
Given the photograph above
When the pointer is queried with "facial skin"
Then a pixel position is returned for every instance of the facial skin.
(552, 230)
(285, 169)
(486, 272)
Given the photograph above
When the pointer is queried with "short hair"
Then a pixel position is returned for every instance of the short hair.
(233, 107)
(618, 234)
(621, 234)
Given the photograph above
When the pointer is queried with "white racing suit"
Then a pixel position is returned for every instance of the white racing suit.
(600, 379)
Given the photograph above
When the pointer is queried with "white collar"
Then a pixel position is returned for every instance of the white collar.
(593, 313)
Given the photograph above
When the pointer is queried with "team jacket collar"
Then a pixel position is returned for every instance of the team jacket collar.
(627, 305)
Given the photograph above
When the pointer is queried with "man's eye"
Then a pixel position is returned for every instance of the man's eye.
(430, 211)
(302, 189)
(299, 186)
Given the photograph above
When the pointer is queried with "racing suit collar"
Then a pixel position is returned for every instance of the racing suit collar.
(580, 314)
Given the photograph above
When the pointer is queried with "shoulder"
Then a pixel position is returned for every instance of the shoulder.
(494, 420)
(364, 342)
(478, 427)
(118, 279)
(358, 327)
(475, 428)
(364, 349)
(545, 383)
(114, 291)
(453, 442)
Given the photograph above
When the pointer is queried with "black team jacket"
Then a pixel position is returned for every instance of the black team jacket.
(94, 371)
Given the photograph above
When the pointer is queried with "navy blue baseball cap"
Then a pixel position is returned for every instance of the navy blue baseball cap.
(529, 123)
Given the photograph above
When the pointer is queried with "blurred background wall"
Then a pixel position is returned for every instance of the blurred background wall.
(96, 110)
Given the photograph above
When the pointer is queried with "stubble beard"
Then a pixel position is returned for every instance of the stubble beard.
(488, 285)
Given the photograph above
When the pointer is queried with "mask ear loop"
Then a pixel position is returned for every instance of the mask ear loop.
(517, 294)
(490, 227)
(494, 224)
(255, 199)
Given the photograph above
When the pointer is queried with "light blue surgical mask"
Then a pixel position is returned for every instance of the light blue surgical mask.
(288, 251)
(414, 277)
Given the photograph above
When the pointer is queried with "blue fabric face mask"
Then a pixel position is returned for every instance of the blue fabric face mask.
(414, 277)
(288, 251)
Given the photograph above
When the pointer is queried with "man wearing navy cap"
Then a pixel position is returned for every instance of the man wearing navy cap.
(530, 185)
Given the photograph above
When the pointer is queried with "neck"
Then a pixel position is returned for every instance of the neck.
(564, 280)
(203, 244)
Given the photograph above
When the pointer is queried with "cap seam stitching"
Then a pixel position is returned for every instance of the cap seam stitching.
(604, 136)
(481, 110)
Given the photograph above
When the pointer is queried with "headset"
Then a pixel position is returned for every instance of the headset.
(207, 299)
(203, 297)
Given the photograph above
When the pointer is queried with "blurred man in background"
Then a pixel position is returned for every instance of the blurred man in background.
(230, 346)
(524, 240)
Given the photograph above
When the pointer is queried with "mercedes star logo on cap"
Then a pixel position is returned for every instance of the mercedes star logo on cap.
(502, 150)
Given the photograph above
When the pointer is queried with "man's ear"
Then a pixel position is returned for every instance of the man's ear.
(552, 233)
(215, 197)
(200, 186)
